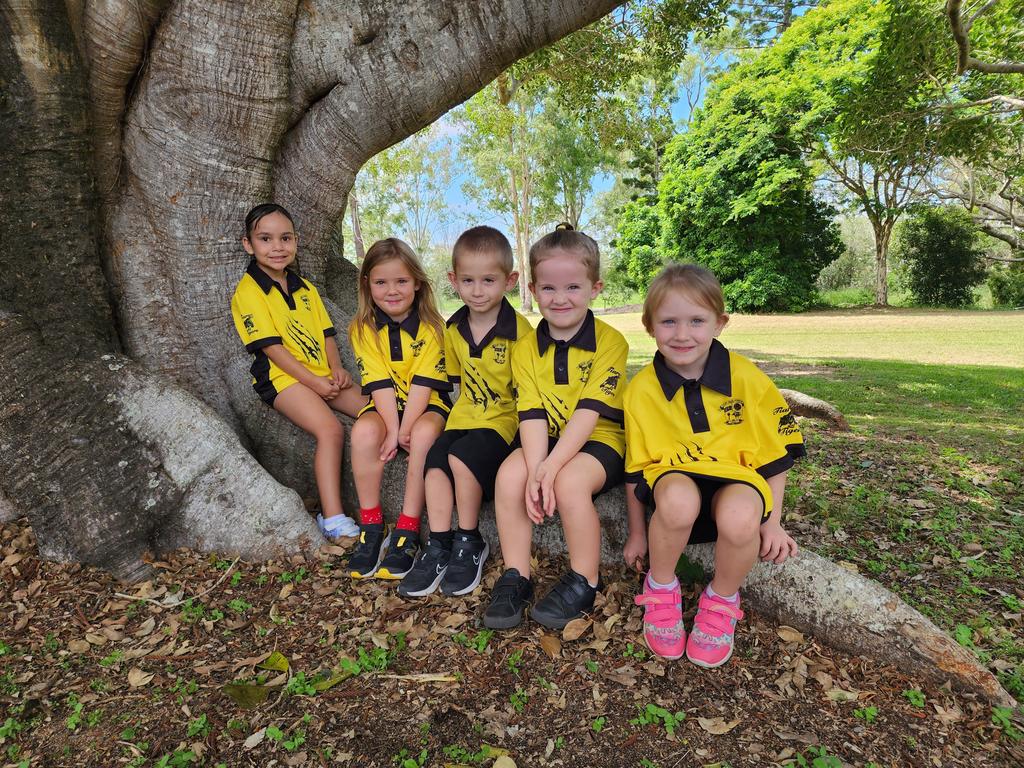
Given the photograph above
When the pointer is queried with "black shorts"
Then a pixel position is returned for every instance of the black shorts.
(431, 408)
(704, 529)
(614, 465)
(481, 450)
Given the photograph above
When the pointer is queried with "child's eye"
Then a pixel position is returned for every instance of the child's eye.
(489, 280)
(574, 287)
(697, 321)
(668, 321)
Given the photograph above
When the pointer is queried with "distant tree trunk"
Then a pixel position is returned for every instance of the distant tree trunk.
(883, 233)
(135, 135)
(357, 232)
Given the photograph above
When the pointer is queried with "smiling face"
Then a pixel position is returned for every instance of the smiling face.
(272, 243)
(481, 281)
(683, 331)
(563, 292)
(393, 288)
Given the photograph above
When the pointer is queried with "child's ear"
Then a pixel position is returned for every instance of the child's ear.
(453, 280)
(247, 245)
(722, 322)
(598, 286)
(511, 280)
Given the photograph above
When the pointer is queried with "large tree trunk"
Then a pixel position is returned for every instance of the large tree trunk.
(883, 233)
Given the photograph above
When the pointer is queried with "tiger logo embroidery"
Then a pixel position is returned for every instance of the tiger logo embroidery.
(417, 347)
(611, 382)
(584, 369)
(500, 350)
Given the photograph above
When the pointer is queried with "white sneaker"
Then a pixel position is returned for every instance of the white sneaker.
(339, 525)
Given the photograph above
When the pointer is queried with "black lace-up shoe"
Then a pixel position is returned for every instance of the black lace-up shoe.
(402, 549)
(466, 565)
(569, 599)
(426, 573)
(509, 598)
(365, 558)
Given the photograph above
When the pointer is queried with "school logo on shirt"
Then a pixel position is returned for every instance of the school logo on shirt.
(439, 366)
(611, 382)
(584, 369)
(500, 350)
(787, 422)
(417, 347)
(305, 301)
(249, 323)
(733, 411)
(361, 366)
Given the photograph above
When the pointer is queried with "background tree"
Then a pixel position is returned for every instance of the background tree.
(943, 254)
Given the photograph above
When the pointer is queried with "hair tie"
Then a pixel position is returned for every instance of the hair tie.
(565, 226)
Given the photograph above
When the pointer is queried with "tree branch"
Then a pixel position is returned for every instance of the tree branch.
(961, 29)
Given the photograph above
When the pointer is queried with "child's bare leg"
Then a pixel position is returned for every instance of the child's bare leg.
(440, 500)
(367, 468)
(515, 529)
(424, 433)
(737, 510)
(468, 493)
(350, 402)
(307, 410)
(575, 486)
(677, 504)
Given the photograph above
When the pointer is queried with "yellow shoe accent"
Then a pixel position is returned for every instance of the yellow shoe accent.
(384, 573)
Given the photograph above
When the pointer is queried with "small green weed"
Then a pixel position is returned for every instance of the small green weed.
(199, 727)
(404, 759)
(518, 699)
(867, 714)
(915, 697)
(1001, 719)
(114, 657)
(597, 725)
(652, 714)
(817, 757)
(177, 759)
(513, 661)
(294, 577)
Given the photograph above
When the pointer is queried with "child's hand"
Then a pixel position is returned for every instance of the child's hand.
(389, 448)
(325, 387)
(404, 438)
(341, 377)
(534, 507)
(635, 550)
(544, 477)
(776, 544)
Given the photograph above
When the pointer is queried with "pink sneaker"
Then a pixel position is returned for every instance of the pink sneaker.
(710, 643)
(664, 631)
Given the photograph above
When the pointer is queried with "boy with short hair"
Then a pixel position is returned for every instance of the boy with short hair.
(569, 375)
(462, 464)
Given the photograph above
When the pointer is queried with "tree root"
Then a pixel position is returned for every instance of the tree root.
(812, 407)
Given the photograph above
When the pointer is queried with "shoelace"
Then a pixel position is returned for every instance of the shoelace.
(714, 618)
(662, 607)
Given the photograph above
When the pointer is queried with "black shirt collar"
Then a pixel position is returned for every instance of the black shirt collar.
(716, 376)
(505, 326)
(585, 338)
(266, 282)
(410, 325)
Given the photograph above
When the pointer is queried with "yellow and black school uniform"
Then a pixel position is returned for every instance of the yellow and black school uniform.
(483, 421)
(555, 378)
(398, 355)
(265, 315)
(729, 426)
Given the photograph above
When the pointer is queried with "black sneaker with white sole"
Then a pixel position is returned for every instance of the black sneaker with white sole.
(402, 549)
(466, 566)
(569, 599)
(427, 572)
(364, 560)
(509, 598)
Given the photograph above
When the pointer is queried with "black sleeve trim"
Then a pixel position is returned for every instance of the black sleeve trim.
(633, 477)
(533, 413)
(373, 386)
(330, 332)
(438, 384)
(270, 341)
(454, 379)
(603, 409)
(781, 464)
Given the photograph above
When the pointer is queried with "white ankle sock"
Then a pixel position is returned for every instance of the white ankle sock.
(729, 599)
(663, 587)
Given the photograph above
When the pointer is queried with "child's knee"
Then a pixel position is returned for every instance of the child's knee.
(511, 478)
(368, 428)
(677, 504)
(738, 524)
(459, 468)
(424, 433)
(331, 431)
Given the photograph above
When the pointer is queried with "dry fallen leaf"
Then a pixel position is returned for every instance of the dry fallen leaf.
(716, 725)
(137, 678)
(504, 762)
(455, 620)
(552, 645)
(838, 694)
(790, 635)
(145, 627)
(255, 739)
(78, 646)
(575, 629)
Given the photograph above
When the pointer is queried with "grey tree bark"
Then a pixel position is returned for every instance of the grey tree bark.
(135, 136)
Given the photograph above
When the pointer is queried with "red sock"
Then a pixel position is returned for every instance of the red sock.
(372, 516)
(406, 523)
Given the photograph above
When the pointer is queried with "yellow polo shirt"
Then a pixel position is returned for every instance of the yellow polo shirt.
(265, 315)
(484, 371)
(554, 378)
(399, 355)
(731, 424)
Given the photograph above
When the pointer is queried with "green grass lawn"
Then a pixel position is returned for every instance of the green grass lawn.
(926, 492)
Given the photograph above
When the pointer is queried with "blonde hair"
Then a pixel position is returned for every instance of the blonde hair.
(386, 250)
(697, 283)
(567, 239)
(484, 239)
